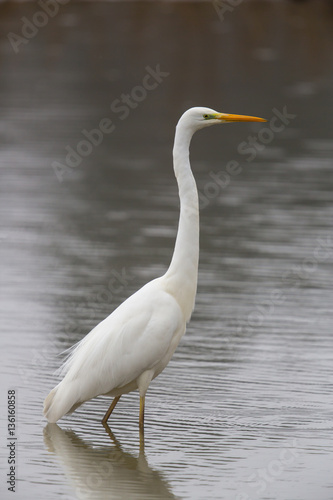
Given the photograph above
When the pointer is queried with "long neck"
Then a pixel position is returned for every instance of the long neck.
(183, 271)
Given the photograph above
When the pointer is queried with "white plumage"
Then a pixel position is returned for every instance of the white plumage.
(111, 359)
(135, 343)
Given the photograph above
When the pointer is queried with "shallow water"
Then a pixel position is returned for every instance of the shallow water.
(244, 409)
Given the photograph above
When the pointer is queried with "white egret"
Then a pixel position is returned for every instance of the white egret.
(133, 345)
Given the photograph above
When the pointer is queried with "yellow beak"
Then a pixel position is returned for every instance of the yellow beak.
(226, 117)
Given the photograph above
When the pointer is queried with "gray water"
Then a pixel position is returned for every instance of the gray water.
(244, 409)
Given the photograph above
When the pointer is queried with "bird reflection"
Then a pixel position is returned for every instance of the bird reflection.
(105, 472)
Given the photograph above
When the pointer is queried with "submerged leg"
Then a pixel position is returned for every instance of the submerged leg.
(142, 413)
(110, 410)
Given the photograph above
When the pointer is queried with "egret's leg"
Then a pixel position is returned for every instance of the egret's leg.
(142, 441)
(110, 410)
(142, 412)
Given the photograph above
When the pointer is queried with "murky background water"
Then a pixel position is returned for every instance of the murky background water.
(244, 410)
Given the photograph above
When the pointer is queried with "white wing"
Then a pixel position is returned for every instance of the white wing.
(141, 333)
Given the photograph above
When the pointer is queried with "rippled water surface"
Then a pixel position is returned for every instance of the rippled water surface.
(244, 410)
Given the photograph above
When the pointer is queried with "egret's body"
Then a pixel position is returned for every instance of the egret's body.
(129, 348)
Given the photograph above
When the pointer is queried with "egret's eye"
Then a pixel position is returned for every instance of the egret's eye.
(206, 116)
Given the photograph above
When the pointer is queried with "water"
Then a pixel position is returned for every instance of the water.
(244, 410)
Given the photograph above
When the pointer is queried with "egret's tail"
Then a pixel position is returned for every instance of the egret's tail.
(61, 400)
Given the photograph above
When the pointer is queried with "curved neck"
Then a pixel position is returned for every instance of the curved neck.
(183, 270)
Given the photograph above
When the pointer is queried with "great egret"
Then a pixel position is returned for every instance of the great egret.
(133, 345)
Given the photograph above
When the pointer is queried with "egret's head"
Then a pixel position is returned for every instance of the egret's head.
(197, 118)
